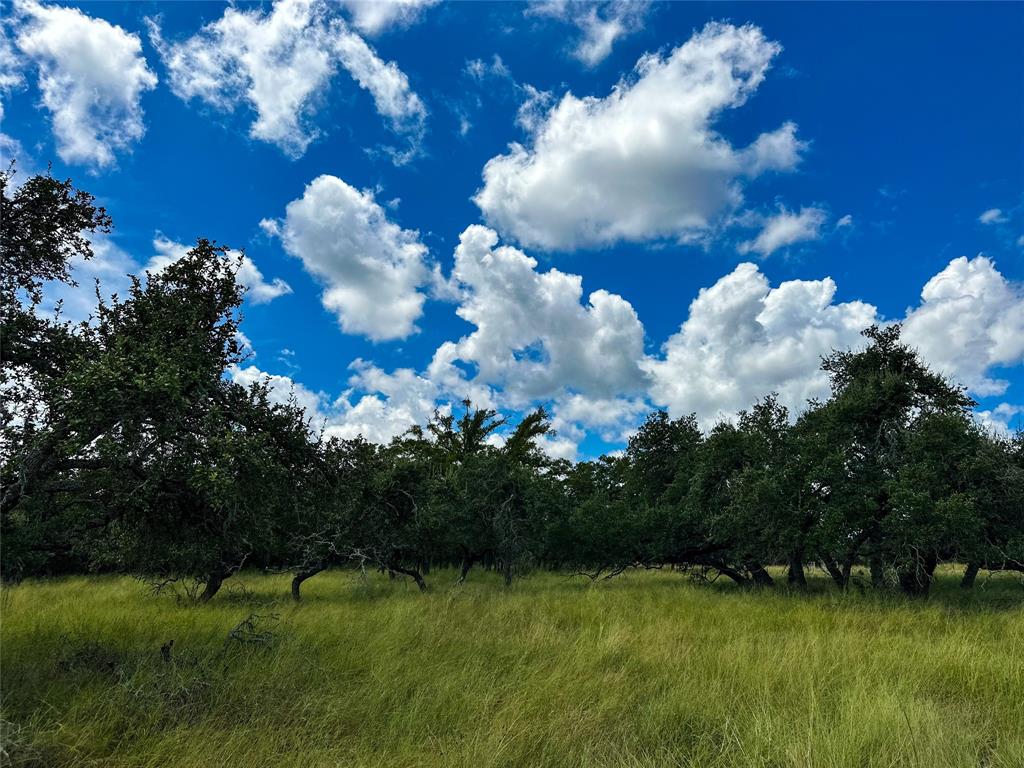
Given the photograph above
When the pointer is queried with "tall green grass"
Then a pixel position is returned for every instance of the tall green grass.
(646, 670)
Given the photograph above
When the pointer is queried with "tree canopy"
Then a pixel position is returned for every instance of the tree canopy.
(127, 447)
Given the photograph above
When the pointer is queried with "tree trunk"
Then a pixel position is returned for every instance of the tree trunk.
(876, 565)
(508, 573)
(795, 576)
(916, 580)
(842, 577)
(847, 570)
(416, 575)
(759, 575)
(732, 573)
(970, 574)
(301, 576)
(836, 573)
(467, 563)
(213, 583)
(877, 571)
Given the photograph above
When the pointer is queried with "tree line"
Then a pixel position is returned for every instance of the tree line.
(128, 448)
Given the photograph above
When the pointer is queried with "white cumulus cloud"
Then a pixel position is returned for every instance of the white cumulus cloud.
(970, 319)
(534, 336)
(281, 62)
(600, 24)
(11, 76)
(377, 405)
(613, 418)
(993, 216)
(384, 81)
(787, 228)
(646, 161)
(391, 403)
(744, 339)
(1003, 420)
(375, 16)
(536, 341)
(91, 77)
(372, 269)
(283, 390)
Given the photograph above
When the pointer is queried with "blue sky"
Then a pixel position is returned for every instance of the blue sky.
(814, 167)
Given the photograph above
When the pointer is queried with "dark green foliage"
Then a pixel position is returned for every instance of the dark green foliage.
(126, 446)
(130, 449)
(43, 226)
(882, 396)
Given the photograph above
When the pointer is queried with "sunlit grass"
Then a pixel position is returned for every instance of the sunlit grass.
(646, 670)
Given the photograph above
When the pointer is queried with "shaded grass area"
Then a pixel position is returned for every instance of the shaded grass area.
(647, 670)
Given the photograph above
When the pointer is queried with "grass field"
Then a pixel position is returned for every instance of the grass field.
(646, 670)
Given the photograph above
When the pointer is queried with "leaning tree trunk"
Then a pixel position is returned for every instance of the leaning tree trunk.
(419, 581)
(415, 574)
(837, 574)
(301, 576)
(213, 584)
(732, 573)
(970, 574)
